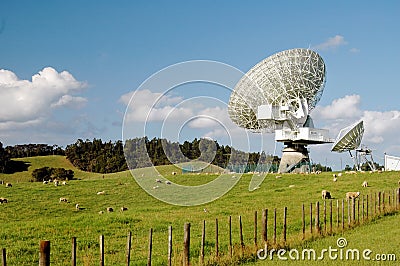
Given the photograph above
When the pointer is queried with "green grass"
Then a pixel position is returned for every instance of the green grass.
(34, 213)
(380, 236)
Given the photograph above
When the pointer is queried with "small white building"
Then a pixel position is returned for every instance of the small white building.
(392, 163)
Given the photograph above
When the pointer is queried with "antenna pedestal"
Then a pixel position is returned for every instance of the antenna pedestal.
(295, 159)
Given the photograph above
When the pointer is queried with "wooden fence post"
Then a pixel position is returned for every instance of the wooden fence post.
(383, 201)
(311, 218)
(265, 225)
(230, 236)
(128, 248)
(44, 253)
(358, 211)
(170, 245)
(3, 257)
(362, 209)
(367, 207)
(330, 219)
(241, 233)
(337, 214)
(303, 225)
(216, 238)
(275, 226)
(353, 206)
(317, 217)
(203, 242)
(284, 224)
(398, 198)
(255, 229)
(342, 214)
(186, 245)
(101, 250)
(325, 227)
(348, 213)
(150, 250)
(73, 255)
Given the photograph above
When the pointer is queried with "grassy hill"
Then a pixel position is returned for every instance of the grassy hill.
(34, 212)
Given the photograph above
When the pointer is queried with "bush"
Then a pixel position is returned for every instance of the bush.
(46, 173)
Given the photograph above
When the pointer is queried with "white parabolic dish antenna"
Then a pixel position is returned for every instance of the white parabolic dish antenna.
(277, 95)
(349, 138)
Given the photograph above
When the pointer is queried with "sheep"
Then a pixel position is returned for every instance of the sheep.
(334, 179)
(155, 187)
(278, 176)
(8, 185)
(339, 175)
(291, 186)
(101, 212)
(3, 200)
(326, 194)
(101, 192)
(109, 209)
(124, 209)
(63, 200)
(64, 183)
(77, 207)
(352, 195)
(55, 182)
(45, 182)
(364, 184)
(158, 180)
(174, 173)
(334, 175)
(168, 182)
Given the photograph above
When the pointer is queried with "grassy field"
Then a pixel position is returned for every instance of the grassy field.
(34, 213)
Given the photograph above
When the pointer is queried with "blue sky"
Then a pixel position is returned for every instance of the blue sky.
(69, 67)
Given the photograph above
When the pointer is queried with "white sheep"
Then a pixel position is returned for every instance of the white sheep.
(334, 175)
(339, 175)
(77, 207)
(109, 209)
(64, 183)
(334, 179)
(326, 194)
(101, 212)
(352, 195)
(55, 182)
(101, 192)
(174, 173)
(124, 209)
(364, 184)
(278, 176)
(158, 180)
(63, 200)
(8, 185)
(45, 182)
(168, 182)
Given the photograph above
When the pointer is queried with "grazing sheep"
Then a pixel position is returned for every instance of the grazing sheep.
(291, 186)
(3, 200)
(8, 185)
(352, 195)
(174, 173)
(45, 182)
(158, 180)
(101, 192)
(365, 184)
(101, 212)
(55, 182)
(64, 183)
(77, 207)
(326, 194)
(334, 179)
(334, 175)
(155, 187)
(278, 176)
(340, 174)
(63, 200)
(109, 209)
(168, 182)
(124, 209)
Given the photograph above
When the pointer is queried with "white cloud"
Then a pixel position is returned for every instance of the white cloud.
(144, 105)
(331, 43)
(23, 100)
(340, 109)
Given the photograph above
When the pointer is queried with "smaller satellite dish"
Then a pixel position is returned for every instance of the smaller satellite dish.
(349, 138)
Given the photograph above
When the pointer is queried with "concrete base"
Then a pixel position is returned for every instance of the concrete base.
(292, 155)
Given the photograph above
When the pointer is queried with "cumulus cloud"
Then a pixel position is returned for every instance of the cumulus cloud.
(24, 100)
(147, 106)
(347, 107)
(331, 43)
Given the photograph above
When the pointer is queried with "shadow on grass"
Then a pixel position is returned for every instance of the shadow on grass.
(16, 166)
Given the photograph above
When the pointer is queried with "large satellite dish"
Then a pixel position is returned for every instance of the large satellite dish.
(277, 95)
(349, 139)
